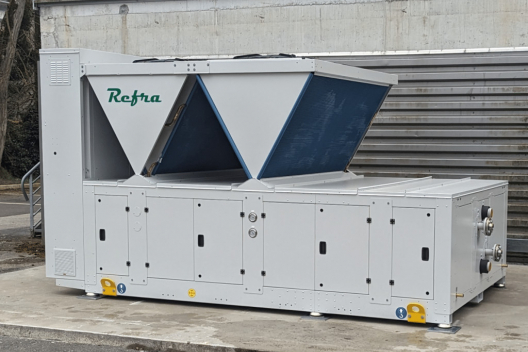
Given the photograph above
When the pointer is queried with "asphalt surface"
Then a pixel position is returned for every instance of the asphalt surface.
(11, 344)
(13, 204)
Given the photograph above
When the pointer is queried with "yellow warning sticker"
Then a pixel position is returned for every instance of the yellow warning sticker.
(191, 292)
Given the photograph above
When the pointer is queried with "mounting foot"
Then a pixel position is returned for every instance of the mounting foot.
(501, 283)
(91, 296)
(445, 329)
(314, 316)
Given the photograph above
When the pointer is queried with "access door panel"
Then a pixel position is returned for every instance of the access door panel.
(112, 234)
(170, 238)
(218, 241)
(342, 248)
(289, 237)
(413, 253)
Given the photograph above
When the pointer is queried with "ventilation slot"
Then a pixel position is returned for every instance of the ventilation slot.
(64, 262)
(60, 73)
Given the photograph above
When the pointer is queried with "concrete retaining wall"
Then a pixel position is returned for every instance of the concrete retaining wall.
(227, 27)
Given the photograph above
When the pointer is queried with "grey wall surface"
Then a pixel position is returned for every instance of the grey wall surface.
(453, 116)
(228, 27)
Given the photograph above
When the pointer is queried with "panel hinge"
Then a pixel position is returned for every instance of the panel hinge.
(392, 221)
(263, 273)
(263, 215)
(242, 271)
(369, 220)
(242, 214)
(147, 265)
(127, 209)
(369, 280)
(391, 282)
(128, 263)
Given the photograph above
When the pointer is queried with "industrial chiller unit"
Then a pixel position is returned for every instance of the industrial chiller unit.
(226, 182)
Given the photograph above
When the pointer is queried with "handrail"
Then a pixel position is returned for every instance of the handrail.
(37, 165)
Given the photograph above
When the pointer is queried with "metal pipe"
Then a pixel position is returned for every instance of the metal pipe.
(37, 165)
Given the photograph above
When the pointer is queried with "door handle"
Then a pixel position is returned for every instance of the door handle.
(322, 247)
(425, 254)
(102, 235)
(200, 240)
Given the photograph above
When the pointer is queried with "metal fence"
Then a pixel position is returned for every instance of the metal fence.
(452, 116)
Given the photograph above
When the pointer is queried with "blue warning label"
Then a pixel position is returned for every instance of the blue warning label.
(401, 313)
(121, 289)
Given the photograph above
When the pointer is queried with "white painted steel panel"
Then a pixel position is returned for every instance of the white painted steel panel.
(499, 204)
(61, 157)
(104, 157)
(219, 259)
(477, 246)
(253, 261)
(413, 232)
(90, 240)
(77, 284)
(112, 244)
(289, 245)
(339, 71)
(463, 248)
(145, 68)
(170, 238)
(137, 126)
(242, 66)
(137, 236)
(380, 271)
(344, 232)
(263, 104)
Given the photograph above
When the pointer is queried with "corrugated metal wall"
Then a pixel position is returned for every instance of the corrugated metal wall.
(451, 116)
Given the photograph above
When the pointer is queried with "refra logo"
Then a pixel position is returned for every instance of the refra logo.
(116, 97)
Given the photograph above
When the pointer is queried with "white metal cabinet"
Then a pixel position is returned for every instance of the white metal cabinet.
(289, 237)
(111, 220)
(413, 253)
(342, 244)
(170, 238)
(218, 241)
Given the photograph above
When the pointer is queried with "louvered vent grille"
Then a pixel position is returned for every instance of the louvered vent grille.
(60, 72)
(64, 262)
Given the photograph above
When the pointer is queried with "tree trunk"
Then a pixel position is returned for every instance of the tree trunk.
(8, 37)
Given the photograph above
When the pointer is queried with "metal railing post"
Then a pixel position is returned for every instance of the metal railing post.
(31, 212)
(31, 198)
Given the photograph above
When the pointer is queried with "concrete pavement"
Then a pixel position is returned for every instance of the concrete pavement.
(32, 306)
(13, 344)
(12, 204)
